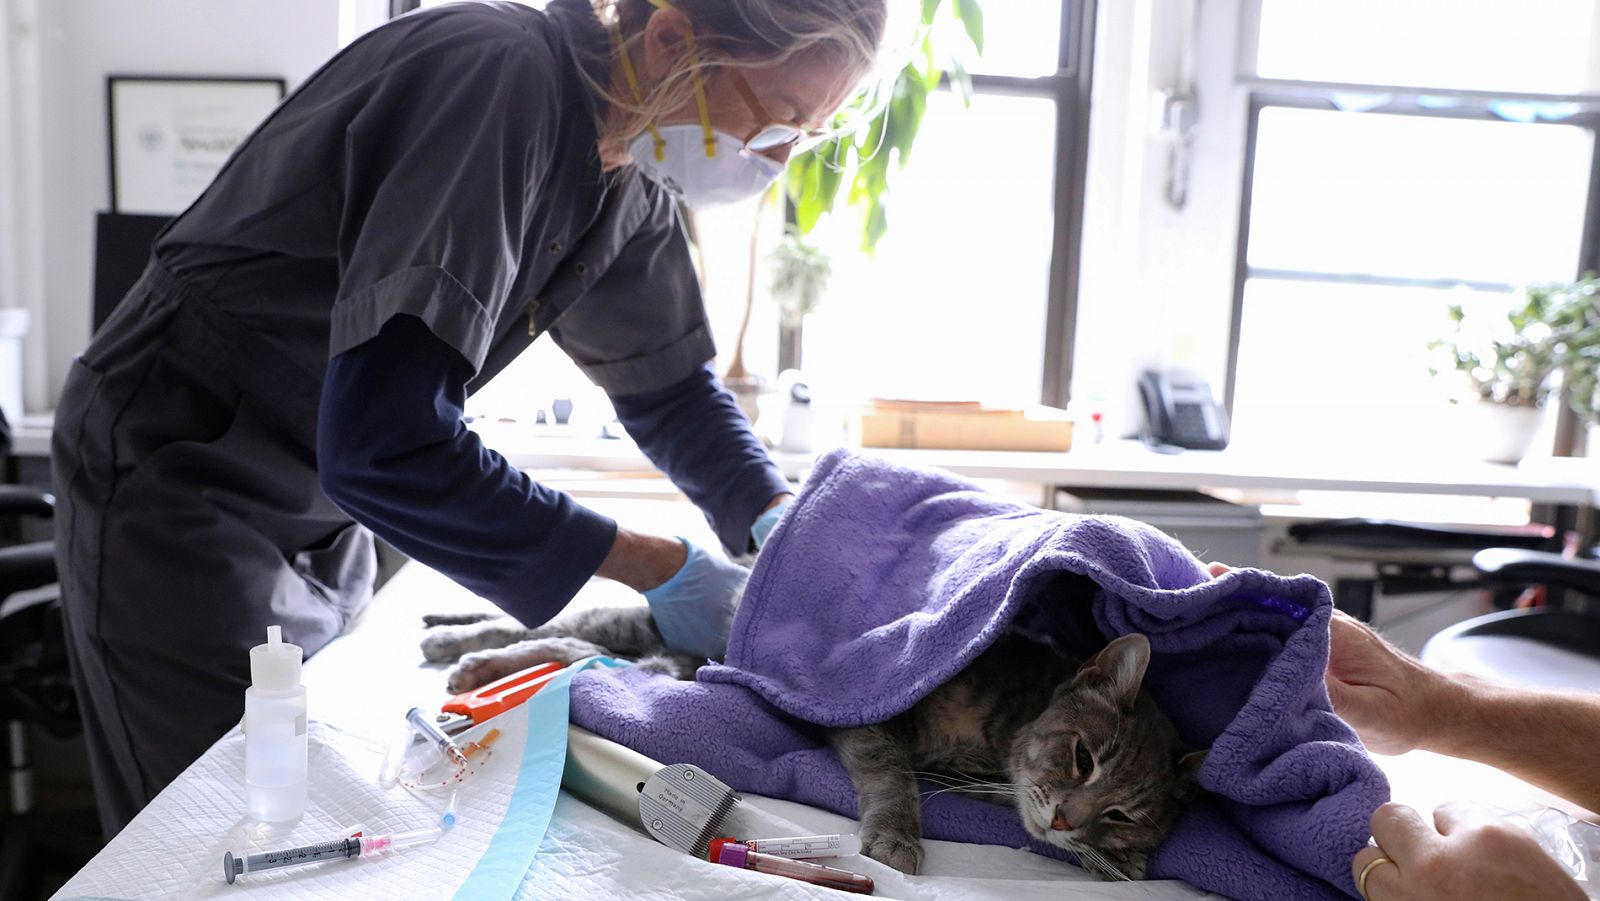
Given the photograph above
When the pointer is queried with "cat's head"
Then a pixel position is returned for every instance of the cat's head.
(1102, 767)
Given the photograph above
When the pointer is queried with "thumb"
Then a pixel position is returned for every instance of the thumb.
(1338, 693)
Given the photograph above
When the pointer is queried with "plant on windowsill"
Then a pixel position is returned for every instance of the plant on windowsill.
(879, 127)
(1548, 341)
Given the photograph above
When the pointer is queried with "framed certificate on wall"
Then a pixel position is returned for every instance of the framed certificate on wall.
(170, 135)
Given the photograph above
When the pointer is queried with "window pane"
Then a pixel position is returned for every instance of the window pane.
(1411, 196)
(953, 305)
(1346, 368)
(1533, 46)
(533, 381)
(1021, 37)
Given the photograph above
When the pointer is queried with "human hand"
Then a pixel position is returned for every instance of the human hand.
(694, 609)
(1392, 701)
(1465, 854)
(768, 519)
(1218, 570)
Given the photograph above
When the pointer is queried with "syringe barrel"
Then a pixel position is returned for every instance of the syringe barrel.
(290, 857)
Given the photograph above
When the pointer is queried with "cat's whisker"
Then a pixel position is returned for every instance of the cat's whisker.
(972, 790)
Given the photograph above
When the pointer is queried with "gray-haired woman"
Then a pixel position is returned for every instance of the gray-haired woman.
(290, 370)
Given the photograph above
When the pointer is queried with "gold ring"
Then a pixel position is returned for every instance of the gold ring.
(1361, 882)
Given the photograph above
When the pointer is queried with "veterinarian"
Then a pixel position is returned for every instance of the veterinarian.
(288, 376)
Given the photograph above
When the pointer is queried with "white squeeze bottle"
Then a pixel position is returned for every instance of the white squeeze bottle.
(275, 732)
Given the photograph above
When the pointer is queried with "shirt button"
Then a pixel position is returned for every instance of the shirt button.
(581, 268)
(556, 248)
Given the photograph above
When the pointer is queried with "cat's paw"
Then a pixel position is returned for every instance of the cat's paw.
(479, 669)
(675, 665)
(903, 852)
(1132, 864)
(1115, 866)
(444, 644)
(430, 620)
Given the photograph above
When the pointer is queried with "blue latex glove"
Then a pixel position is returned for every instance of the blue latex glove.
(694, 609)
(766, 521)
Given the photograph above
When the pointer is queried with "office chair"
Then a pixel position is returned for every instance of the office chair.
(1554, 647)
(35, 690)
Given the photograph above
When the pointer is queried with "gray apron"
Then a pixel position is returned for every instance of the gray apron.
(185, 471)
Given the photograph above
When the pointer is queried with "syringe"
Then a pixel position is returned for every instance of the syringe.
(338, 849)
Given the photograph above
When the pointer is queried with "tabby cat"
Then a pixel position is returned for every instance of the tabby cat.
(1089, 761)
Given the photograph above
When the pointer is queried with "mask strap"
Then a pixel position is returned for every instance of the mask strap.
(699, 91)
(638, 95)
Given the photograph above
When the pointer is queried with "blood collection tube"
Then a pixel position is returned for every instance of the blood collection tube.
(804, 847)
(733, 854)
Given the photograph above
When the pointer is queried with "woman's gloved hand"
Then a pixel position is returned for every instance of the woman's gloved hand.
(694, 609)
(765, 523)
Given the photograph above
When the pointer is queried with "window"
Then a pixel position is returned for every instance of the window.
(953, 303)
(1402, 157)
(968, 296)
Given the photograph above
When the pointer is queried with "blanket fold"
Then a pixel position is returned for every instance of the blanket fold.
(883, 581)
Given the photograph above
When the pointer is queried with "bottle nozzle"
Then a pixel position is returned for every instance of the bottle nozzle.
(275, 666)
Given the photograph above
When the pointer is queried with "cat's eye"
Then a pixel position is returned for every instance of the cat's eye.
(1084, 761)
(1116, 815)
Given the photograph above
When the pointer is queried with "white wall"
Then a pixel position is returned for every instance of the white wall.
(83, 41)
(1157, 285)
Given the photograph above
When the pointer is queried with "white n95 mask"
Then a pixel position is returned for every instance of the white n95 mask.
(734, 173)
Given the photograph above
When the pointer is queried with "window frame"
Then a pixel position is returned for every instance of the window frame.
(1070, 88)
(1470, 105)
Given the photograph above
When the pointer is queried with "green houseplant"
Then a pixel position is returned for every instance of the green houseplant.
(1549, 340)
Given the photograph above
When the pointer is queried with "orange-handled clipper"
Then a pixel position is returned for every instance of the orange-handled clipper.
(470, 708)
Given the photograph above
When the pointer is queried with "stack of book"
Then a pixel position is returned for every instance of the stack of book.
(963, 425)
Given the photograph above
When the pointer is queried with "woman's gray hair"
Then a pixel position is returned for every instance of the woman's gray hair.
(754, 33)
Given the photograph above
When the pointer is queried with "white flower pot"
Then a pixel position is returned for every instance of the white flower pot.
(1500, 433)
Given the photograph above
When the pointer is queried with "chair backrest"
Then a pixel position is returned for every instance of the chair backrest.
(122, 243)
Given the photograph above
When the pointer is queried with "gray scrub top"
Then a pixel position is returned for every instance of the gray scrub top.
(446, 166)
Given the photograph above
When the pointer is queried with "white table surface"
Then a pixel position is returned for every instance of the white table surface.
(364, 682)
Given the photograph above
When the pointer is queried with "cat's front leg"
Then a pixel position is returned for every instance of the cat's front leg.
(444, 643)
(886, 795)
(484, 667)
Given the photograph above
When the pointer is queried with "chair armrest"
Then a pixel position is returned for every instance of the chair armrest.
(1524, 567)
(1386, 534)
(24, 500)
(24, 566)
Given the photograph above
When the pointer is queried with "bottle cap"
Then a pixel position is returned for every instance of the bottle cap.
(716, 848)
(732, 854)
(275, 666)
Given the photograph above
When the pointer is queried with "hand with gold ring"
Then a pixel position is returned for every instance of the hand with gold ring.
(1464, 853)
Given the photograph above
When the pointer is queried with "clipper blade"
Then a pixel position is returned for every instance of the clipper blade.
(683, 807)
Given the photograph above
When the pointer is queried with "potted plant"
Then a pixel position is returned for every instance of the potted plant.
(1549, 340)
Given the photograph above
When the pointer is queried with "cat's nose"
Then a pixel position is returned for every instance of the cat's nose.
(1060, 823)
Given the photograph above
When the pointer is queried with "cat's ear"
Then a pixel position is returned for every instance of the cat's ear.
(1121, 664)
(1188, 767)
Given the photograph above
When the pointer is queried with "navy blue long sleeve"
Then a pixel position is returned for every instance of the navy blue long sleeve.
(695, 432)
(392, 452)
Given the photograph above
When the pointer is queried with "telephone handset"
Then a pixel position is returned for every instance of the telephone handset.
(1181, 412)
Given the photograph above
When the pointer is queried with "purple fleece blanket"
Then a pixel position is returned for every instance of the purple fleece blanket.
(883, 581)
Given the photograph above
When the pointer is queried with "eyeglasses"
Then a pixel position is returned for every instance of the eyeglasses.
(764, 140)
(776, 135)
